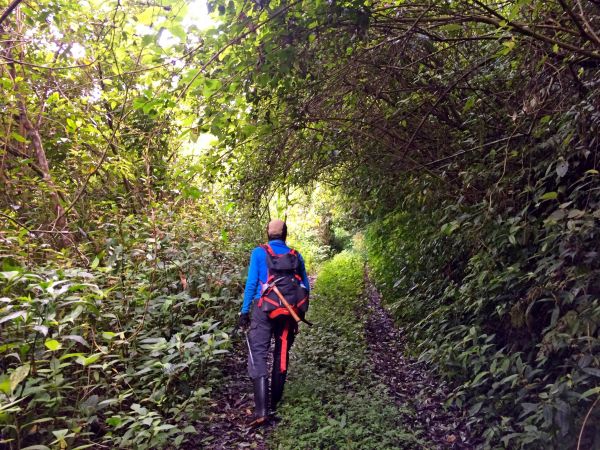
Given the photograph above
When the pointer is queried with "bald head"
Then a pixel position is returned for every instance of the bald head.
(277, 229)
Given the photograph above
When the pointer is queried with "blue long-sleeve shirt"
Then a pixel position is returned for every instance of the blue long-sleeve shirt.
(257, 272)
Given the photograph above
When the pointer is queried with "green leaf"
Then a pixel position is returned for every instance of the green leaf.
(479, 376)
(549, 196)
(469, 104)
(86, 361)
(70, 355)
(508, 47)
(475, 408)
(60, 434)
(509, 379)
(52, 345)
(139, 102)
(148, 40)
(5, 384)
(114, 421)
(450, 227)
(17, 137)
(556, 215)
(108, 335)
(18, 375)
(592, 391)
(192, 192)
(148, 16)
(178, 31)
(211, 86)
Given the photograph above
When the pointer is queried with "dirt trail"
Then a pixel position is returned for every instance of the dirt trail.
(410, 383)
(231, 409)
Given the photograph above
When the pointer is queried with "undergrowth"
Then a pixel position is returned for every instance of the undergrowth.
(332, 401)
(506, 307)
(122, 353)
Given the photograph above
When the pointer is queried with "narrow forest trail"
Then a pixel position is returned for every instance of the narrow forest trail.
(341, 394)
(410, 382)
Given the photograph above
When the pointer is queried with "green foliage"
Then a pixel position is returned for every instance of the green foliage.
(466, 131)
(404, 248)
(117, 354)
(331, 401)
(505, 305)
(341, 277)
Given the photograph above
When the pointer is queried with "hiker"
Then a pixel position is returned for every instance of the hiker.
(275, 270)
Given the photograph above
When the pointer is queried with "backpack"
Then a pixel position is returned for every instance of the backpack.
(283, 273)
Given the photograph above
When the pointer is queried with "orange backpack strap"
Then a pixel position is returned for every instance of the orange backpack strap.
(267, 248)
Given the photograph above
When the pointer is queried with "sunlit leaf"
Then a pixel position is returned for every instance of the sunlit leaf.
(549, 196)
(52, 345)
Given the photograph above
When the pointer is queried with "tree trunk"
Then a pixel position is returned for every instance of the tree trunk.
(60, 224)
(32, 132)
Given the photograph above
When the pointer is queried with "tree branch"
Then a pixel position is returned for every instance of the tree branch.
(9, 10)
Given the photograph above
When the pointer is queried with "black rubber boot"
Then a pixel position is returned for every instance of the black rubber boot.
(260, 401)
(277, 383)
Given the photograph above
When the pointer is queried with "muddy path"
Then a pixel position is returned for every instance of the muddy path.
(411, 383)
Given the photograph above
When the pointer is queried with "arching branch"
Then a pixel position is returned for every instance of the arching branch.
(8, 11)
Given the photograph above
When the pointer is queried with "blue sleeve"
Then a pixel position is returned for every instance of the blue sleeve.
(302, 272)
(251, 282)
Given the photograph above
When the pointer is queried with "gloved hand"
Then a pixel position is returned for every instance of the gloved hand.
(244, 321)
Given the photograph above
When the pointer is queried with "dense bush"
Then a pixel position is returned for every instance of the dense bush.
(505, 304)
(121, 353)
